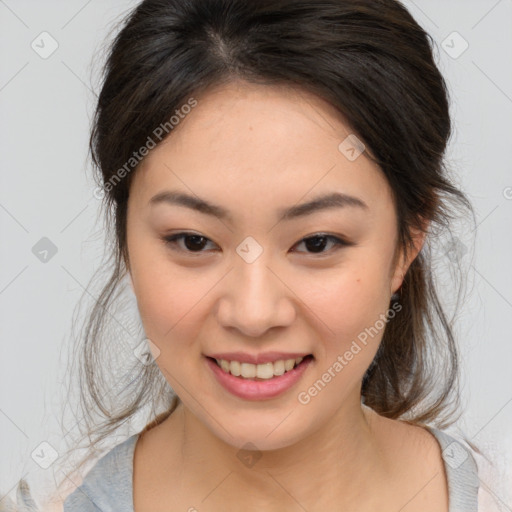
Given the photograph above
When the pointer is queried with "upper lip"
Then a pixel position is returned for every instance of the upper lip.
(264, 357)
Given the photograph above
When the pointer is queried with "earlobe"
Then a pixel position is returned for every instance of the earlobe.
(405, 260)
(397, 280)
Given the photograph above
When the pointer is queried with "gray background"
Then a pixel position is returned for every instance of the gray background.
(46, 191)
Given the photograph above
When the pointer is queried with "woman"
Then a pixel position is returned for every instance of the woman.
(274, 173)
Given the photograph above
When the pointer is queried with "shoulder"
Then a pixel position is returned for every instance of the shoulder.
(108, 485)
(461, 470)
(429, 459)
(450, 463)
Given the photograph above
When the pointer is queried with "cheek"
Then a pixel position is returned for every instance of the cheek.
(170, 306)
(169, 298)
(351, 299)
(349, 308)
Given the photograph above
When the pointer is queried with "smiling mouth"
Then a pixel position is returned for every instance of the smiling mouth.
(260, 372)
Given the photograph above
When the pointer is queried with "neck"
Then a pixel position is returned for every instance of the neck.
(345, 450)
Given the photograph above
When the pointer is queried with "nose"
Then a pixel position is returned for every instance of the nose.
(255, 299)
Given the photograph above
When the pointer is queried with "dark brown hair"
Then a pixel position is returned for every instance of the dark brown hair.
(368, 58)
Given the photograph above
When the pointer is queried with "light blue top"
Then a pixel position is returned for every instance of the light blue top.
(107, 487)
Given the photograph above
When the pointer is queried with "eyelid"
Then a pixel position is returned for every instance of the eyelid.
(339, 241)
(171, 241)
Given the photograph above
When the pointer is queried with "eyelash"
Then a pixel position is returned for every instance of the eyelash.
(172, 241)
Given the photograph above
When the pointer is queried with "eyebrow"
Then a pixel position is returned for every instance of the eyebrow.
(324, 202)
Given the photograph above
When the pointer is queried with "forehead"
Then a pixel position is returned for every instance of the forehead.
(243, 142)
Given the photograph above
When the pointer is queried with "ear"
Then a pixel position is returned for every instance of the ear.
(403, 261)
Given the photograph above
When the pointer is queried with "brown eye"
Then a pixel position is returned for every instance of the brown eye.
(192, 242)
(317, 243)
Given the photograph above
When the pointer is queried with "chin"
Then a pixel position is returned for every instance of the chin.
(259, 433)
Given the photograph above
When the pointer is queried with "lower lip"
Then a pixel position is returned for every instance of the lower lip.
(258, 389)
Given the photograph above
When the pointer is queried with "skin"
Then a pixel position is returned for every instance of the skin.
(254, 150)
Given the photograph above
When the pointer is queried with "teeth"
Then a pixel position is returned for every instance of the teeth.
(260, 371)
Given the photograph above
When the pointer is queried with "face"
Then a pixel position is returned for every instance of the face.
(244, 281)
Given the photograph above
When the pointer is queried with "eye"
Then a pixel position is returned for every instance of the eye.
(318, 242)
(194, 243)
